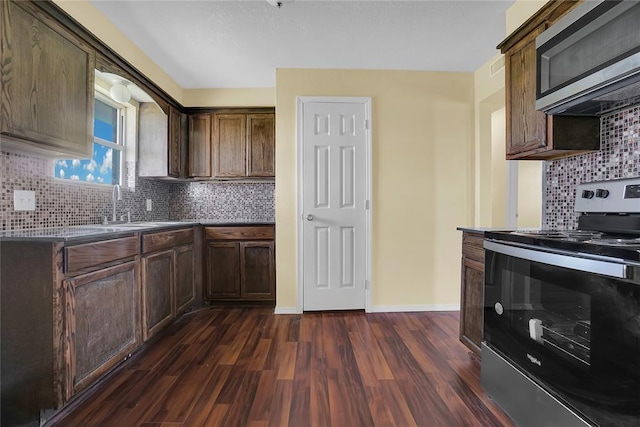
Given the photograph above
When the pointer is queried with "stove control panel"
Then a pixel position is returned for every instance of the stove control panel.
(632, 192)
(615, 196)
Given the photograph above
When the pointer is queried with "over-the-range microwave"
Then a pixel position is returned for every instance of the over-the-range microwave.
(588, 62)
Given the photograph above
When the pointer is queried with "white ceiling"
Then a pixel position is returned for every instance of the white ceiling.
(240, 43)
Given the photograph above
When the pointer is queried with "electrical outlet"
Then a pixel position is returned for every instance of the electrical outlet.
(24, 200)
(149, 206)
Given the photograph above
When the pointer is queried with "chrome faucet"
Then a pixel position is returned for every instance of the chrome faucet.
(117, 195)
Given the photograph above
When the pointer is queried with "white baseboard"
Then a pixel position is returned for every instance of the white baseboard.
(286, 310)
(387, 308)
(409, 308)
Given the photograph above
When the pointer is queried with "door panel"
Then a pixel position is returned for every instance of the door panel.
(185, 273)
(223, 270)
(334, 156)
(157, 286)
(229, 145)
(257, 271)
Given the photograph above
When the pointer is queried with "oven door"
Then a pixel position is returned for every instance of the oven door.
(570, 322)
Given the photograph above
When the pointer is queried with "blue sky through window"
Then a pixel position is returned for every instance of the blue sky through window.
(103, 167)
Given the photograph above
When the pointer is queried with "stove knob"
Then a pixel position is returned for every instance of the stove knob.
(603, 194)
(587, 194)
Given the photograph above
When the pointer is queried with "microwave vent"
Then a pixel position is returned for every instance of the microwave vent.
(623, 94)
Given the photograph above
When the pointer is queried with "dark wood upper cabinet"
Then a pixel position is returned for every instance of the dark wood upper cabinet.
(260, 144)
(532, 134)
(229, 146)
(232, 143)
(47, 84)
(200, 145)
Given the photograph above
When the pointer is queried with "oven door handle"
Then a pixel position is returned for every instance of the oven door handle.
(605, 268)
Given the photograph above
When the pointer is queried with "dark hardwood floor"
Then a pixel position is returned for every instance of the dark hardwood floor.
(249, 367)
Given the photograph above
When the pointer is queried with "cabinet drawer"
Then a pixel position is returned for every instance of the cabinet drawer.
(82, 257)
(240, 233)
(472, 246)
(164, 240)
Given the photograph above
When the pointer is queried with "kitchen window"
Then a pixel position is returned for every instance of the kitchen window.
(106, 165)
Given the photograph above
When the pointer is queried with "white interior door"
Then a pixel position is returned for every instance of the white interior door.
(335, 145)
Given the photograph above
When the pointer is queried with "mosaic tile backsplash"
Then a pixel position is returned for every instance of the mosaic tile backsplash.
(618, 157)
(61, 203)
(222, 201)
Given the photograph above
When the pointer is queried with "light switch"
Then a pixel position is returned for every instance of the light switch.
(149, 207)
(24, 200)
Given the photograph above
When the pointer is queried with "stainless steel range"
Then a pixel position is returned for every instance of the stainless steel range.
(562, 315)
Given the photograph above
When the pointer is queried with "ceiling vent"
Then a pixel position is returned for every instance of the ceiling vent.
(496, 66)
(278, 3)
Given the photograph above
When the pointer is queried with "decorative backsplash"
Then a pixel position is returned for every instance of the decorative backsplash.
(64, 203)
(224, 201)
(618, 157)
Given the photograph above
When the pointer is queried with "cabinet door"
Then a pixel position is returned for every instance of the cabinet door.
(257, 270)
(471, 314)
(175, 149)
(47, 83)
(526, 126)
(157, 292)
(222, 270)
(185, 277)
(200, 145)
(102, 322)
(261, 140)
(229, 145)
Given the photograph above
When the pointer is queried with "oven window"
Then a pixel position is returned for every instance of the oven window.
(556, 317)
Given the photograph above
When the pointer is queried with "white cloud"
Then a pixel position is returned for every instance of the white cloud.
(61, 173)
(91, 166)
(63, 163)
(106, 162)
(90, 178)
(100, 179)
(74, 178)
(75, 163)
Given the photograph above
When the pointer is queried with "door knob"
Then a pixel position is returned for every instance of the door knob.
(309, 217)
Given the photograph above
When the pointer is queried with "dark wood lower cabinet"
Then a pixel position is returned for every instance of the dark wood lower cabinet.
(168, 278)
(257, 270)
(472, 291)
(157, 284)
(239, 264)
(102, 325)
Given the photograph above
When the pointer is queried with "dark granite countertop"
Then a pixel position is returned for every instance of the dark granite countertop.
(96, 232)
(483, 230)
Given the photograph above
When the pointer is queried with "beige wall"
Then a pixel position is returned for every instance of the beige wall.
(520, 11)
(92, 19)
(422, 138)
(498, 169)
(248, 97)
(529, 194)
(490, 193)
(488, 98)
